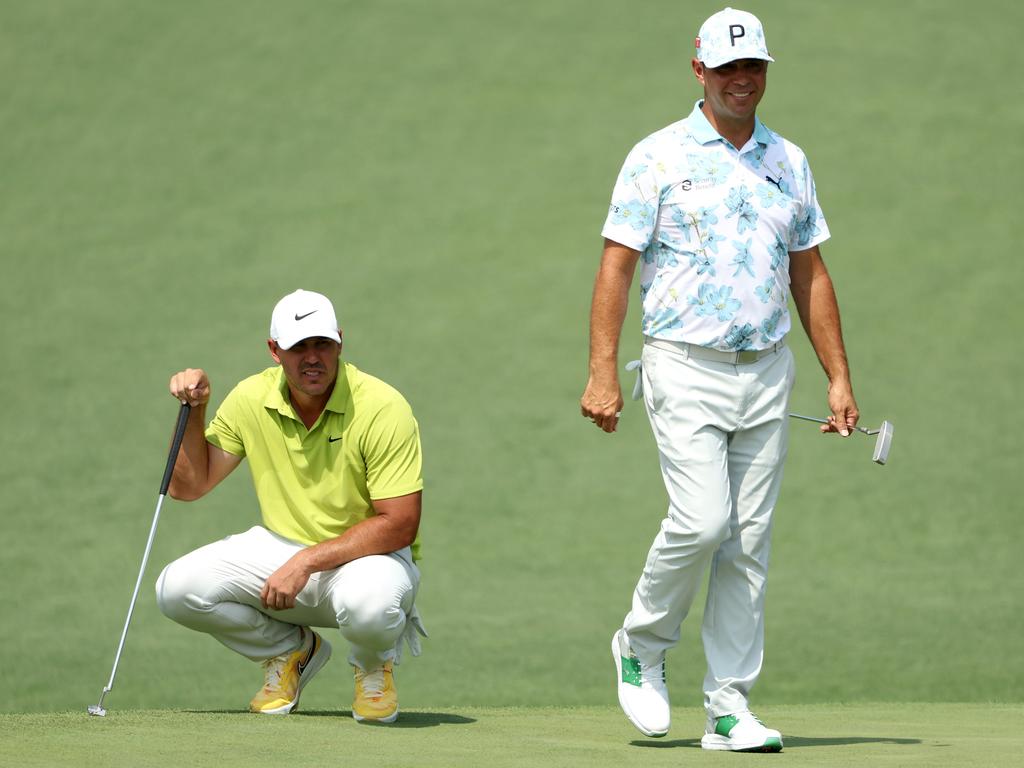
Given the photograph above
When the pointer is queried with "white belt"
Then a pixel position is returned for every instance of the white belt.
(735, 357)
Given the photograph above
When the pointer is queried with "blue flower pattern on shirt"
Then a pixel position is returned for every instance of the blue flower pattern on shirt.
(779, 253)
(714, 226)
(739, 336)
(771, 195)
(631, 172)
(698, 222)
(770, 326)
(636, 213)
(738, 206)
(806, 227)
(704, 263)
(666, 258)
(715, 301)
(711, 241)
(663, 319)
(743, 260)
(714, 168)
(706, 216)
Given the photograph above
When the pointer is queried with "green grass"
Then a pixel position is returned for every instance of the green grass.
(828, 736)
(442, 170)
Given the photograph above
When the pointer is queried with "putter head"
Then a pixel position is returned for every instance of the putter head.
(883, 442)
(97, 711)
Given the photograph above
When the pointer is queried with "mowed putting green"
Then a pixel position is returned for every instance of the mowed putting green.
(828, 736)
(442, 169)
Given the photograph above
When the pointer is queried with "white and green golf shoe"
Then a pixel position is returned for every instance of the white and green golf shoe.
(643, 694)
(740, 732)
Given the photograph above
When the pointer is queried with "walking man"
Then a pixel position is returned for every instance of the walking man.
(721, 212)
(335, 459)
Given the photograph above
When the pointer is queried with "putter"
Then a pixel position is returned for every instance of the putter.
(882, 443)
(179, 432)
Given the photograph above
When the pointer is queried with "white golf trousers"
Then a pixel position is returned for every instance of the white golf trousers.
(721, 431)
(216, 589)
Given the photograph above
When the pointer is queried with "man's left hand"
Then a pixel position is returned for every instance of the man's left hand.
(844, 415)
(285, 584)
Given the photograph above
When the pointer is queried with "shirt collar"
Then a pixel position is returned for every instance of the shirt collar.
(339, 397)
(761, 133)
(704, 133)
(278, 400)
(700, 128)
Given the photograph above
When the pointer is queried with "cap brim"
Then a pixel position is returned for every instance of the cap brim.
(287, 342)
(713, 62)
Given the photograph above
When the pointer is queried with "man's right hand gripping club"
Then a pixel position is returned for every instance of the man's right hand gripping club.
(191, 386)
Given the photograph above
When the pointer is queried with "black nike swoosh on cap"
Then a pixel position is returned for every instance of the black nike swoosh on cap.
(303, 317)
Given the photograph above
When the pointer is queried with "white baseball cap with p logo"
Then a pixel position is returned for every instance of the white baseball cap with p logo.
(730, 35)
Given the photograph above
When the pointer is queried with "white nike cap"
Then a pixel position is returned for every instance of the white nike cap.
(303, 315)
(730, 35)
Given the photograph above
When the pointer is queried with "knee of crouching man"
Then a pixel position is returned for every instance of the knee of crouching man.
(367, 617)
(171, 594)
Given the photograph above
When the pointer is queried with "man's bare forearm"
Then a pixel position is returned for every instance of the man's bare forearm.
(609, 305)
(373, 536)
(392, 528)
(602, 398)
(815, 300)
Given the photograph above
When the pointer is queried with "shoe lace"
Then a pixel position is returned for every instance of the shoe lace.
(272, 670)
(653, 674)
(372, 682)
(274, 667)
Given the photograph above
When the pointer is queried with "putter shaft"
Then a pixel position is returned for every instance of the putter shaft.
(179, 434)
(131, 606)
(825, 421)
(882, 443)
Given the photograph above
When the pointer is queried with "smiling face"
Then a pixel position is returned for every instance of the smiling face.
(732, 92)
(310, 367)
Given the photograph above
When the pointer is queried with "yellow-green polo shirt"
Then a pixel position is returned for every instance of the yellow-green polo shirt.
(314, 484)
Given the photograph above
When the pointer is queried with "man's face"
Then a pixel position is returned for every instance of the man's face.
(733, 90)
(310, 366)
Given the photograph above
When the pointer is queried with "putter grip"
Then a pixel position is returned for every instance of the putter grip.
(179, 434)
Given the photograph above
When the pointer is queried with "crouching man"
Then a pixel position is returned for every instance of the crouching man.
(336, 463)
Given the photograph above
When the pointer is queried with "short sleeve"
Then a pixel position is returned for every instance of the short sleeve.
(392, 452)
(634, 205)
(810, 228)
(223, 431)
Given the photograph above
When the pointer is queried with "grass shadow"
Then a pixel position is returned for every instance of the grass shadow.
(808, 741)
(672, 744)
(790, 742)
(216, 711)
(405, 719)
